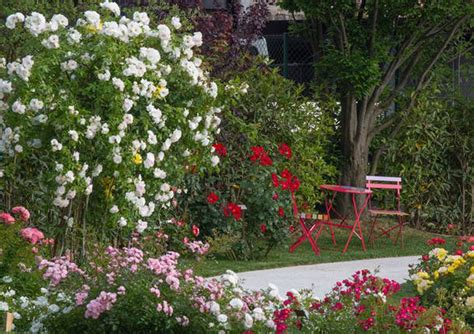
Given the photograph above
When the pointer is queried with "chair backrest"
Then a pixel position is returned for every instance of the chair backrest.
(385, 182)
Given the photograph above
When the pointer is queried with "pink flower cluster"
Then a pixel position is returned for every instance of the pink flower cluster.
(364, 284)
(102, 303)
(32, 235)
(197, 247)
(165, 307)
(22, 212)
(82, 294)
(19, 211)
(124, 258)
(58, 269)
(166, 265)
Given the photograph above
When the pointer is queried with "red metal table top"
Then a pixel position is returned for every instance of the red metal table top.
(345, 189)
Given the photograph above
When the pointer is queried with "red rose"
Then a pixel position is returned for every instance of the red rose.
(212, 198)
(265, 160)
(275, 196)
(425, 257)
(232, 209)
(459, 252)
(286, 174)
(294, 184)
(6, 218)
(275, 180)
(195, 230)
(221, 150)
(281, 212)
(471, 248)
(257, 152)
(263, 228)
(285, 150)
(292, 228)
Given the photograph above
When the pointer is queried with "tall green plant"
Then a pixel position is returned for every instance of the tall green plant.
(434, 153)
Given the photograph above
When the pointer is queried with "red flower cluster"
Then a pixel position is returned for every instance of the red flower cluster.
(290, 182)
(408, 313)
(221, 150)
(263, 228)
(436, 241)
(260, 155)
(232, 209)
(285, 150)
(212, 198)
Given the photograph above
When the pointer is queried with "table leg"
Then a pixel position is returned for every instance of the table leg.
(357, 214)
(329, 207)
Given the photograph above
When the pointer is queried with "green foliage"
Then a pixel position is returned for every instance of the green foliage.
(434, 152)
(260, 227)
(275, 111)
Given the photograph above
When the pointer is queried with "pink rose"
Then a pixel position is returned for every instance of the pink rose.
(32, 235)
(22, 211)
(6, 218)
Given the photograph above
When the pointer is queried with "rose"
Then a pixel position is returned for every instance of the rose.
(32, 235)
(212, 198)
(220, 149)
(6, 218)
(285, 150)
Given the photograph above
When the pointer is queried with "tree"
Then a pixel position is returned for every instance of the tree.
(375, 53)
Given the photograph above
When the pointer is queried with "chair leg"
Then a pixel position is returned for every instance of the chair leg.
(372, 228)
(401, 222)
(332, 235)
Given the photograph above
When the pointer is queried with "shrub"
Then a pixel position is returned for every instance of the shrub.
(433, 152)
(446, 279)
(252, 203)
(99, 122)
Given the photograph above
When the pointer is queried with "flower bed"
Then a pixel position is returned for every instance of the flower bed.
(446, 279)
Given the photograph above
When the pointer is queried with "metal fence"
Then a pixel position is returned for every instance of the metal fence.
(292, 54)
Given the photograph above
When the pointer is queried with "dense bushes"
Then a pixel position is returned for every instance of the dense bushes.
(99, 122)
(434, 152)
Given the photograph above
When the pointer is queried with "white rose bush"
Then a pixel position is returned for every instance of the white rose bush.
(102, 121)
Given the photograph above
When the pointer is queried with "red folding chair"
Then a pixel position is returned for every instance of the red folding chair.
(307, 231)
(386, 183)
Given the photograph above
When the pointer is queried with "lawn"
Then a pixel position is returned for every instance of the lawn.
(414, 244)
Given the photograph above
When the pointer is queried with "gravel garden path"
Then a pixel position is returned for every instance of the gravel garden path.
(322, 277)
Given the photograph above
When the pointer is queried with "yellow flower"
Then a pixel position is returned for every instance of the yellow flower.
(157, 92)
(436, 275)
(422, 274)
(93, 29)
(470, 281)
(137, 159)
(472, 270)
(439, 253)
(470, 302)
(423, 285)
(469, 254)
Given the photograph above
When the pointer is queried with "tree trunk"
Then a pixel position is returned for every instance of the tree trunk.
(355, 147)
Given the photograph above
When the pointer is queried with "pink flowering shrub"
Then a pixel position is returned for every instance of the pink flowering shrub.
(20, 243)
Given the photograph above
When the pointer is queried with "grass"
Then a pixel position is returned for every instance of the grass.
(414, 244)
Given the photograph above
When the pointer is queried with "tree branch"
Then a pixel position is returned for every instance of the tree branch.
(374, 28)
(382, 126)
(360, 15)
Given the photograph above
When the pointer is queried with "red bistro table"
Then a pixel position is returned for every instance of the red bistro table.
(319, 224)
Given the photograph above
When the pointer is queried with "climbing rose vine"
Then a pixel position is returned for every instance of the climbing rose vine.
(104, 117)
